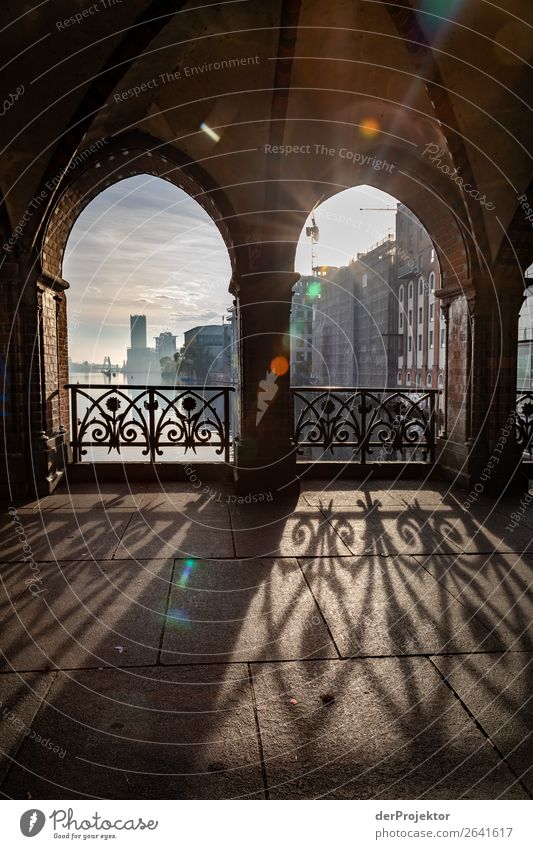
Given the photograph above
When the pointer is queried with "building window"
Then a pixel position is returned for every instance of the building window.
(410, 291)
(365, 280)
(429, 380)
(410, 317)
(420, 285)
(401, 294)
(442, 337)
(431, 339)
(431, 312)
(432, 255)
(408, 379)
(401, 321)
(409, 343)
(441, 381)
(432, 282)
(399, 381)
(418, 379)
(420, 315)
(419, 341)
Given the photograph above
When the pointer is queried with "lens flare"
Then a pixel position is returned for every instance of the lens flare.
(369, 128)
(280, 366)
(188, 566)
(314, 289)
(209, 132)
(178, 618)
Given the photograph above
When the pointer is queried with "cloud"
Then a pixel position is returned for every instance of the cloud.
(143, 244)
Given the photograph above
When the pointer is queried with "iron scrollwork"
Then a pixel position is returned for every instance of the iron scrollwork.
(375, 424)
(150, 419)
(524, 422)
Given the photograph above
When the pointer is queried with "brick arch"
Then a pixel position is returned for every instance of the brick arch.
(112, 162)
(516, 249)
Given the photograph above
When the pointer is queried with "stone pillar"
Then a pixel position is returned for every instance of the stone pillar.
(500, 391)
(17, 308)
(265, 458)
(49, 375)
(479, 444)
(452, 449)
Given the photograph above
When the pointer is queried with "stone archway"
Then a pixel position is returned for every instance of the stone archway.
(109, 164)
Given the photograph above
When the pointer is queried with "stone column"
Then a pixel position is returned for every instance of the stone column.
(499, 392)
(265, 457)
(17, 303)
(482, 336)
(452, 449)
(50, 373)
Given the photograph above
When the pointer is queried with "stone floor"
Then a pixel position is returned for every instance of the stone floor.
(361, 641)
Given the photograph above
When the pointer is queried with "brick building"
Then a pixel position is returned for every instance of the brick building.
(421, 329)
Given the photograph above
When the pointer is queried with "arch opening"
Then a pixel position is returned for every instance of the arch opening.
(146, 262)
(366, 317)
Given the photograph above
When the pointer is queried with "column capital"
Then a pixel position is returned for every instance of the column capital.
(263, 286)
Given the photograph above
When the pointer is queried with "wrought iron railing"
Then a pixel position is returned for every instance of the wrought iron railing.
(524, 422)
(150, 419)
(369, 424)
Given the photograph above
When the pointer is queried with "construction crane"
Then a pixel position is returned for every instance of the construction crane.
(377, 209)
(314, 233)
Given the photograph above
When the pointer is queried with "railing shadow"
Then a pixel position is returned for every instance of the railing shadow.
(215, 606)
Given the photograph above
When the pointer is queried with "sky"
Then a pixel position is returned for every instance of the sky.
(144, 246)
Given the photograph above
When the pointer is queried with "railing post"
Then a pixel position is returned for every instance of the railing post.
(226, 424)
(363, 427)
(74, 423)
(151, 423)
(432, 425)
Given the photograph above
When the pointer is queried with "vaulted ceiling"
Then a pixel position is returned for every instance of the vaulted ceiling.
(351, 79)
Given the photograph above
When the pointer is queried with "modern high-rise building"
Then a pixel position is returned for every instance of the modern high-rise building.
(138, 331)
(140, 359)
(165, 345)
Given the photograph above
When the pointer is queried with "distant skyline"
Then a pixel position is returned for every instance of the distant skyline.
(144, 246)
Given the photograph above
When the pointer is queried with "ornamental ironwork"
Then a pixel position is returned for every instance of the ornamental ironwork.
(524, 422)
(372, 424)
(150, 418)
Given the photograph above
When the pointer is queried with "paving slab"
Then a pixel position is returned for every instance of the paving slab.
(391, 606)
(389, 531)
(186, 733)
(272, 531)
(169, 532)
(20, 699)
(13, 578)
(65, 534)
(364, 500)
(87, 497)
(477, 531)
(495, 588)
(233, 610)
(211, 496)
(498, 690)
(88, 614)
(372, 729)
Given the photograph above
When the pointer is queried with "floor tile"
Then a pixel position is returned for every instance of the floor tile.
(495, 588)
(391, 606)
(20, 699)
(88, 614)
(385, 729)
(186, 733)
(497, 689)
(242, 610)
